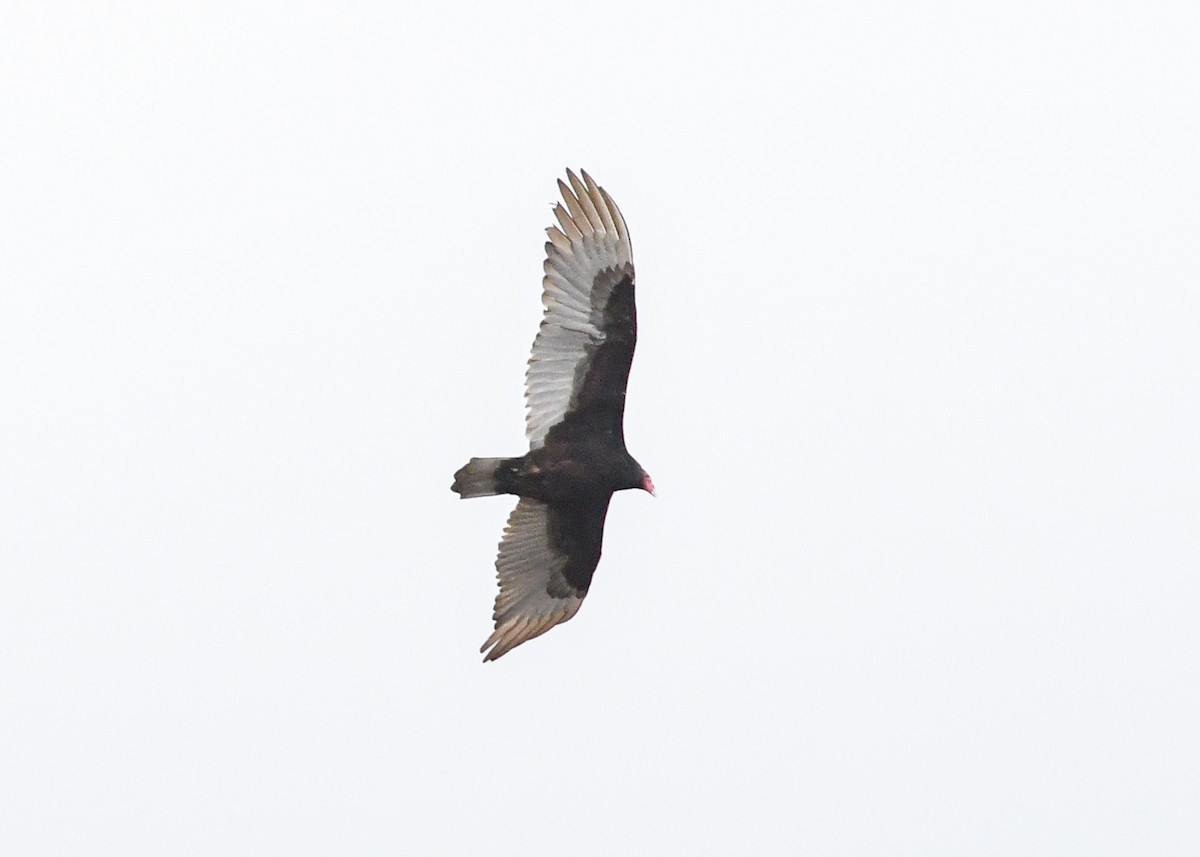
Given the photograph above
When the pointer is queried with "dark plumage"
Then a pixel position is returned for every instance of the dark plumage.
(575, 389)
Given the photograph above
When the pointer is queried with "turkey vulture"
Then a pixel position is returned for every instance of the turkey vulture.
(575, 394)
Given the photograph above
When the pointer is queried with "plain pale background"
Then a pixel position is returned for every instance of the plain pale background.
(917, 382)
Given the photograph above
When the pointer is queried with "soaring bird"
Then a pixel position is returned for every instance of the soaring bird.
(575, 395)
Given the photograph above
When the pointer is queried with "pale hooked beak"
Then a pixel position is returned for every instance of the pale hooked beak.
(648, 485)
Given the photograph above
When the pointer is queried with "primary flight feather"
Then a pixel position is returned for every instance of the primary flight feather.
(575, 393)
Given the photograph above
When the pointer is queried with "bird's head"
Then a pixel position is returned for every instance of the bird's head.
(633, 475)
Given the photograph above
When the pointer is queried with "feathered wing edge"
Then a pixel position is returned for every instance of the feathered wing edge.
(529, 570)
(591, 237)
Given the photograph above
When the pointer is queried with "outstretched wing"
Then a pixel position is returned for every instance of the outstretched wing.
(589, 324)
(545, 566)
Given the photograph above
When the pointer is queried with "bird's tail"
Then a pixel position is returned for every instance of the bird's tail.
(478, 478)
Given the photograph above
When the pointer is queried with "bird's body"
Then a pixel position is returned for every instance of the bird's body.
(575, 387)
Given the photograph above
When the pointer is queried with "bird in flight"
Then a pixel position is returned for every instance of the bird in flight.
(575, 394)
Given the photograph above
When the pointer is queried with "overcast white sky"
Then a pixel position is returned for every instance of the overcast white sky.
(917, 381)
